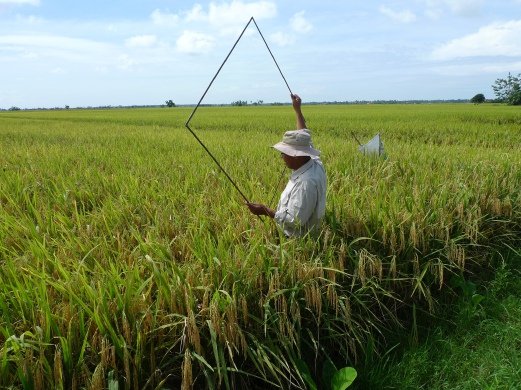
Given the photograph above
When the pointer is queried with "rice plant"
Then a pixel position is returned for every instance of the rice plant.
(127, 259)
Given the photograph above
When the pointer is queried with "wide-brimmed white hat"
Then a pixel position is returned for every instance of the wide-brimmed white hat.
(296, 143)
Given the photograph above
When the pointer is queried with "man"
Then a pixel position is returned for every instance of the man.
(302, 204)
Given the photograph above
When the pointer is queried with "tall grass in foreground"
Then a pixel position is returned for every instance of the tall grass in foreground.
(473, 345)
(127, 258)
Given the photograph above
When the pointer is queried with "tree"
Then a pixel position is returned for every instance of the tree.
(514, 99)
(240, 103)
(508, 90)
(170, 103)
(477, 99)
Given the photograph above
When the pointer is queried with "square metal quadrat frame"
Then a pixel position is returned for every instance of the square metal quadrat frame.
(187, 124)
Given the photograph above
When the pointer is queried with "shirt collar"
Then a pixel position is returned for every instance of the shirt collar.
(296, 173)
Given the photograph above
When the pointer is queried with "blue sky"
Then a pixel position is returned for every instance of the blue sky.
(57, 53)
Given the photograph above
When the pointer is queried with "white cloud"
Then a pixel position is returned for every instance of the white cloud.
(57, 49)
(141, 41)
(228, 17)
(405, 16)
(466, 8)
(193, 42)
(196, 14)
(300, 24)
(477, 69)
(51, 42)
(20, 2)
(282, 39)
(497, 39)
(164, 18)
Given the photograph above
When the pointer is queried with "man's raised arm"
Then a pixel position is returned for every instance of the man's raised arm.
(301, 122)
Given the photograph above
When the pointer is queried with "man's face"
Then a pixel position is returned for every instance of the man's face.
(294, 162)
(287, 159)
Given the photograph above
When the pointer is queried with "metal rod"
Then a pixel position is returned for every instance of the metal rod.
(217, 162)
(187, 124)
(218, 71)
(356, 139)
(274, 60)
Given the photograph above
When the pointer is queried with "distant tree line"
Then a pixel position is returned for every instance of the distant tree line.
(239, 103)
(507, 90)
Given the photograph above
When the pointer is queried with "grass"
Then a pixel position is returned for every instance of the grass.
(476, 346)
(127, 258)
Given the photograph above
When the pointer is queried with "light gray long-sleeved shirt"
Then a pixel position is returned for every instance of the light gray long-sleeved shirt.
(302, 204)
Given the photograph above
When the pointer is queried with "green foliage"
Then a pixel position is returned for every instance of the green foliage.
(464, 352)
(343, 378)
(239, 103)
(478, 99)
(332, 379)
(306, 374)
(508, 90)
(514, 98)
(170, 103)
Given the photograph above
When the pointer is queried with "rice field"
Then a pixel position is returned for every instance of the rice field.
(127, 260)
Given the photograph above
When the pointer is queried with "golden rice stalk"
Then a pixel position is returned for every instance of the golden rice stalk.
(274, 283)
(39, 381)
(215, 319)
(437, 269)
(506, 207)
(105, 352)
(126, 365)
(294, 310)
(231, 328)
(341, 256)
(393, 240)
(58, 369)
(331, 275)
(413, 235)
(495, 206)
(193, 332)
(392, 267)
(98, 378)
(313, 297)
(206, 300)
(456, 254)
(369, 266)
(416, 265)
(361, 266)
(186, 369)
(332, 297)
(244, 309)
(127, 332)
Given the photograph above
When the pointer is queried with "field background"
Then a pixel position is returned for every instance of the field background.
(126, 257)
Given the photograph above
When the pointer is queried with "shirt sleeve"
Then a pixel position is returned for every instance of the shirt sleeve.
(294, 216)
